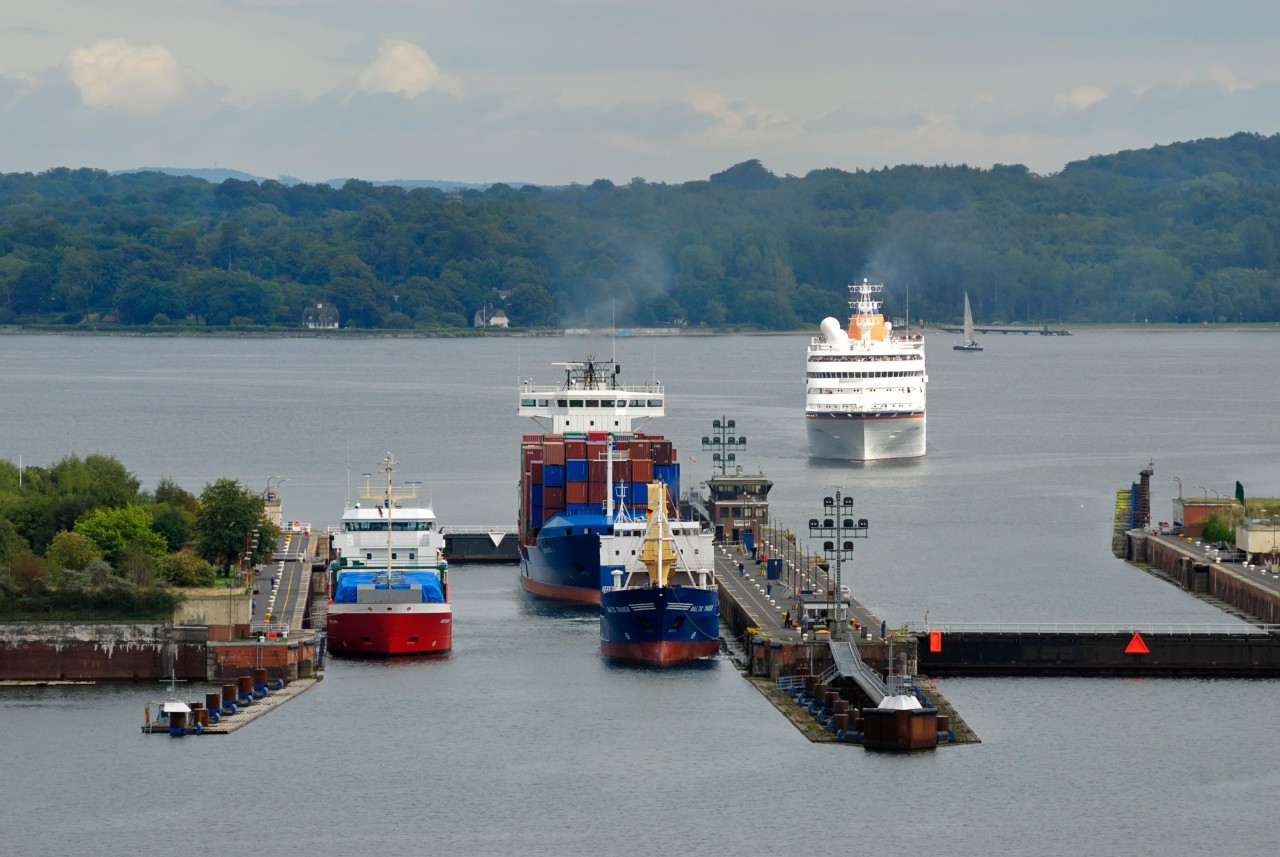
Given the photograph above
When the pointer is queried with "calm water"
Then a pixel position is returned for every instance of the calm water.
(524, 741)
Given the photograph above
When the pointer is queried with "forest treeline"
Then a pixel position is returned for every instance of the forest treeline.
(1179, 233)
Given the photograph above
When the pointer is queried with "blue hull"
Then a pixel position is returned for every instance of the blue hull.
(565, 561)
(663, 625)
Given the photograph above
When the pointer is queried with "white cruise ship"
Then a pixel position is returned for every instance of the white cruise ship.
(865, 387)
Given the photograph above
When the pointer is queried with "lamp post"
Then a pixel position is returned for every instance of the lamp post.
(1179, 481)
(839, 529)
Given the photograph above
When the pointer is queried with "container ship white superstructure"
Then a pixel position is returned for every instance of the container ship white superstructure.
(865, 386)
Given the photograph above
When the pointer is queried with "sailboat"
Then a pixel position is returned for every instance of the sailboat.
(970, 344)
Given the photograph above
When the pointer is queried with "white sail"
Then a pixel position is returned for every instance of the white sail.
(969, 344)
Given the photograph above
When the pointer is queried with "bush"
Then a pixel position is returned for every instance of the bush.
(185, 569)
(1217, 529)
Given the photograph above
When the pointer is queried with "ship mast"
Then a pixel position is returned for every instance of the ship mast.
(387, 502)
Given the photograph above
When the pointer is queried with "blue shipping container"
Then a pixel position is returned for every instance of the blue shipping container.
(553, 475)
(575, 470)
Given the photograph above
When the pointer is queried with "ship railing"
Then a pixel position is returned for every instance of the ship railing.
(1145, 628)
(787, 682)
(549, 389)
(475, 529)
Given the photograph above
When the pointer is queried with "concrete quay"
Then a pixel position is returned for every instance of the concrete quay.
(830, 689)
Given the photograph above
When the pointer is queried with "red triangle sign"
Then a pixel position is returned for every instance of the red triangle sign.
(1136, 646)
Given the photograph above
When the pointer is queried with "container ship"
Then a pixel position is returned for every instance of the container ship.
(865, 386)
(589, 467)
(662, 606)
(389, 587)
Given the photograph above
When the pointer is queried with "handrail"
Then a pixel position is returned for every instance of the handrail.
(1088, 628)
(849, 662)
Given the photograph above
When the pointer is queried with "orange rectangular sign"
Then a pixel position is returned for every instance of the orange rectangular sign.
(935, 641)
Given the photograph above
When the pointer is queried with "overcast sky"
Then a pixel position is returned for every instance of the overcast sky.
(560, 91)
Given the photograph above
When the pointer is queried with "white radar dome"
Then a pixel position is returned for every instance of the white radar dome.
(833, 333)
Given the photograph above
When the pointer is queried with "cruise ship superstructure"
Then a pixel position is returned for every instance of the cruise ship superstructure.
(865, 386)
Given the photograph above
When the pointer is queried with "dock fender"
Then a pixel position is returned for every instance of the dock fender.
(198, 729)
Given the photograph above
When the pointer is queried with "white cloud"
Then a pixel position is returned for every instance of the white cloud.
(403, 67)
(1080, 98)
(1226, 79)
(136, 78)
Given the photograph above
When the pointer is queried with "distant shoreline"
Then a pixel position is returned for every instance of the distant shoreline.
(634, 333)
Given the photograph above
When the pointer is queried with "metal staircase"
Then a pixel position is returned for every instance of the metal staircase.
(849, 663)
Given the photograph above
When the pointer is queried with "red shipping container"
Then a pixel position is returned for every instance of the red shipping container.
(597, 435)
(597, 493)
(553, 497)
(662, 452)
(575, 448)
(597, 451)
(535, 472)
(574, 492)
(641, 470)
(597, 472)
(553, 453)
(622, 471)
(532, 453)
(532, 438)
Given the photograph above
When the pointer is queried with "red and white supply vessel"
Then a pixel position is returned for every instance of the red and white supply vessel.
(389, 587)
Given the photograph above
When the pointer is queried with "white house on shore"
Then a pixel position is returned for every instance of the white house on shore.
(488, 316)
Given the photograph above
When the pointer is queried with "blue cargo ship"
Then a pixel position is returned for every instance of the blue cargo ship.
(589, 469)
(661, 605)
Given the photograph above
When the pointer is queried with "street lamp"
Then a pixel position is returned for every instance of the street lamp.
(1179, 481)
(722, 443)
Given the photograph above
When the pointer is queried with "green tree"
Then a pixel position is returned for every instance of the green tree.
(11, 542)
(1217, 529)
(71, 550)
(532, 306)
(229, 513)
(117, 532)
(170, 492)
